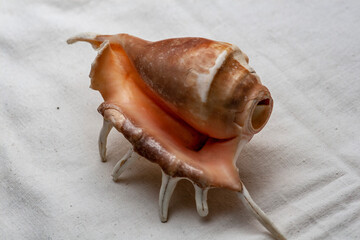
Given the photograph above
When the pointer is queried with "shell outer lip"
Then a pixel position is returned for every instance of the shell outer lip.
(141, 141)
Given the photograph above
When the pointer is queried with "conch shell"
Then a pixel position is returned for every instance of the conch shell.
(187, 104)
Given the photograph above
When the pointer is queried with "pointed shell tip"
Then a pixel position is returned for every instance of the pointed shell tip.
(70, 41)
(88, 36)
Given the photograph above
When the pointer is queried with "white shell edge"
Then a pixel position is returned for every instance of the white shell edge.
(259, 214)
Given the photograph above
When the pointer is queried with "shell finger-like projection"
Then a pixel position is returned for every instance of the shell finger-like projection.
(186, 104)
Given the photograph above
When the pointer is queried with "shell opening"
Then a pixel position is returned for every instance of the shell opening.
(261, 114)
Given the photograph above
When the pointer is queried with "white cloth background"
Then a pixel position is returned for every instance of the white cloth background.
(302, 169)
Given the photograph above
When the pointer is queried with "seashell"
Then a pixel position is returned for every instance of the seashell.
(187, 104)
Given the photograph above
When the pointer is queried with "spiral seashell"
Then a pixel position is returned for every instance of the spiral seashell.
(187, 104)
